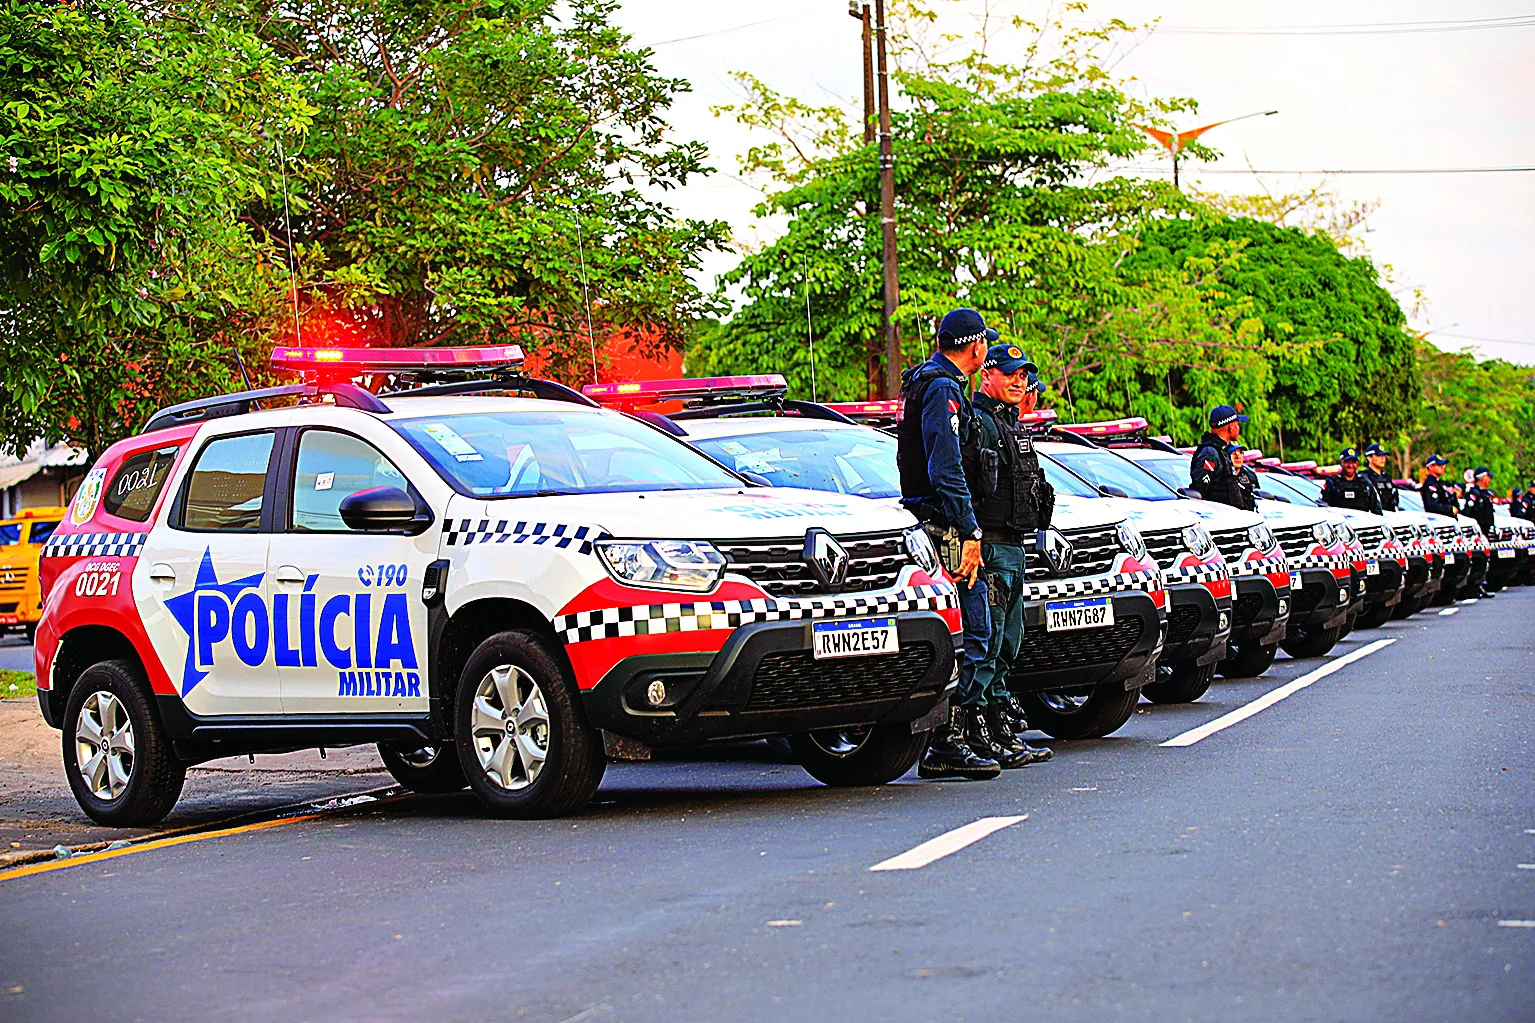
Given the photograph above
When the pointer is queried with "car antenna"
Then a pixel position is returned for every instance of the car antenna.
(287, 227)
(245, 376)
(809, 330)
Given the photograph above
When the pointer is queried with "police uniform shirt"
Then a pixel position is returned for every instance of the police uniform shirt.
(1438, 498)
(1479, 507)
(1385, 490)
(933, 484)
(1356, 493)
(1022, 500)
(1212, 474)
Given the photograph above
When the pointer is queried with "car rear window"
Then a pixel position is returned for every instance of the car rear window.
(10, 533)
(137, 484)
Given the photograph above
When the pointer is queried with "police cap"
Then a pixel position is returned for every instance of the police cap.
(1374, 449)
(963, 327)
(1482, 470)
(1008, 359)
(1348, 455)
(1038, 387)
(1437, 460)
(1220, 415)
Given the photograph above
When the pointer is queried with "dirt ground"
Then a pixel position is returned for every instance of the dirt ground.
(38, 812)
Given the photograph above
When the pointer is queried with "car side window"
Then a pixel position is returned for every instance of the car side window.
(224, 490)
(133, 491)
(41, 531)
(331, 467)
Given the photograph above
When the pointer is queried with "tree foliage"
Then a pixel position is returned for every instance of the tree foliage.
(1474, 413)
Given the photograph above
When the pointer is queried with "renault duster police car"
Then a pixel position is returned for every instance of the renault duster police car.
(481, 583)
(1094, 616)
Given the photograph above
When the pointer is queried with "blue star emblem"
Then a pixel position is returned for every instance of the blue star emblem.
(184, 610)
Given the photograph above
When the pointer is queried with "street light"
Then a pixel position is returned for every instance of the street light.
(1174, 142)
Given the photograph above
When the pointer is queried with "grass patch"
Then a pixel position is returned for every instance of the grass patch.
(16, 684)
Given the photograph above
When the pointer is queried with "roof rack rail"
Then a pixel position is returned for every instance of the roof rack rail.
(240, 402)
(787, 407)
(549, 390)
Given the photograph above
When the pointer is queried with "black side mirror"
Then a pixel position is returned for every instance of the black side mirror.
(1110, 490)
(1190, 493)
(761, 481)
(385, 510)
(1264, 495)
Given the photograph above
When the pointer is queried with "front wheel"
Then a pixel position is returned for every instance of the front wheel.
(1182, 683)
(1313, 641)
(1249, 661)
(849, 757)
(1081, 713)
(429, 770)
(524, 744)
(117, 757)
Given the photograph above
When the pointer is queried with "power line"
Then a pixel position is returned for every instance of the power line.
(1382, 170)
(1367, 28)
(723, 31)
(1482, 340)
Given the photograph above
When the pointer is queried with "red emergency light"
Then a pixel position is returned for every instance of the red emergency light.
(342, 363)
(1039, 417)
(1271, 461)
(1253, 454)
(868, 411)
(698, 389)
(1303, 468)
(1132, 429)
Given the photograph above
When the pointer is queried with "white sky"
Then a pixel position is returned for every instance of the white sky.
(1442, 99)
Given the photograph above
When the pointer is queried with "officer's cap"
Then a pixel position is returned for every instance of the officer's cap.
(963, 327)
(1482, 470)
(1437, 460)
(1348, 455)
(1374, 449)
(1220, 415)
(1038, 387)
(1008, 359)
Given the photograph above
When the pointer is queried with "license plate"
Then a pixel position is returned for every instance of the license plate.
(1294, 580)
(856, 637)
(1373, 568)
(10, 619)
(1089, 613)
(1449, 559)
(1505, 554)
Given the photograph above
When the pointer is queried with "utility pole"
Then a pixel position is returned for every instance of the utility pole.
(887, 215)
(874, 347)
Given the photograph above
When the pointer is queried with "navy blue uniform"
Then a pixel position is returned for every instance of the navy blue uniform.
(1385, 490)
(1438, 497)
(1356, 493)
(1212, 474)
(1479, 507)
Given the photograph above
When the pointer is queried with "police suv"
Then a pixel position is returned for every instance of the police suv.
(1095, 611)
(493, 579)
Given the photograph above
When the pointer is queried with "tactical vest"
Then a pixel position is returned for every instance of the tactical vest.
(911, 453)
(1384, 489)
(1012, 510)
(1224, 488)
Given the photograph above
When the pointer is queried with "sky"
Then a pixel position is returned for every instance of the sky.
(1372, 100)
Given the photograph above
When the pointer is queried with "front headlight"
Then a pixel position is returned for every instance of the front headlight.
(1130, 540)
(920, 546)
(690, 565)
(1262, 537)
(1198, 541)
(1345, 533)
(1323, 534)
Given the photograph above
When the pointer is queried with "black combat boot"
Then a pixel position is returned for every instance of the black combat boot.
(979, 735)
(949, 756)
(1013, 711)
(1019, 753)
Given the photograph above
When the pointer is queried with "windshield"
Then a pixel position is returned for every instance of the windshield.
(1104, 468)
(10, 533)
(1291, 487)
(859, 462)
(1410, 500)
(1066, 482)
(543, 453)
(1172, 471)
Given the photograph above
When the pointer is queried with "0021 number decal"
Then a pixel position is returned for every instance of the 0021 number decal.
(101, 581)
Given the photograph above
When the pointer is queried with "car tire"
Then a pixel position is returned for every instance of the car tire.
(523, 740)
(117, 758)
(1349, 624)
(1313, 641)
(1407, 608)
(1374, 618)
(1183, 683)
(1079, 714)
(856, 757)
(431, 769)
(1249, 661)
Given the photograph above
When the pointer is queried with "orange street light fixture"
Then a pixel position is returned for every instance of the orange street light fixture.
(1174, 142)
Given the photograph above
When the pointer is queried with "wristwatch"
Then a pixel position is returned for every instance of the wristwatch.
(977, 534)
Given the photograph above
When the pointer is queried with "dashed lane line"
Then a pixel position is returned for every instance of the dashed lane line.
(1516, 923)
(1448, 611)
(947, 843)
(1272, 697)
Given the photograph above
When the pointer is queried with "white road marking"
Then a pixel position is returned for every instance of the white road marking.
(946, 843)
(1448, 611)
(1516, 923)
(1268, 699)
(1469, 600)
(1525, 866)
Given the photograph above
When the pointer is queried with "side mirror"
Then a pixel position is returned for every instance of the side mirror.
(1110, 490)
(1190, 493)
(1264, 495)
(755, 479)
(385, 510)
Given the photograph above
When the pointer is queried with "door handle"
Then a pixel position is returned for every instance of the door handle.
(289, 574)
(160, 572)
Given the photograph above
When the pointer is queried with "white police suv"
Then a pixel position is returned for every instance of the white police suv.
(491, 577)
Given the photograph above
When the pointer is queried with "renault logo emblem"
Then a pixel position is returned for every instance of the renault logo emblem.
(828, 559)
(1058, 552)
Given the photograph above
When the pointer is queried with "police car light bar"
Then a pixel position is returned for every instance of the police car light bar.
(1108, 428)
(1298, 466)
(1271, 461)
(346, 362)
(696, 389)
(1329, 470)
(867, 411)
(1039, 417)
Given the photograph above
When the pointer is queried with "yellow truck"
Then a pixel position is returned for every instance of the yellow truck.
(21, 544)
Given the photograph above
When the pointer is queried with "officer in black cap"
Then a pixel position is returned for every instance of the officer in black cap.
(1437, 496)
(1210, 470)
(1479, 499)
(1523, 505)
(1013, 513)
(938, 458)
(1033, 394)
(1347, 489)
(1247, 479)
(1377, 477)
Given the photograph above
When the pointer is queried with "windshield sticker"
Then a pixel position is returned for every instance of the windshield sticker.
(788, 511)
(89, 496)
(451, 442)
(733, 447)
(324, 481)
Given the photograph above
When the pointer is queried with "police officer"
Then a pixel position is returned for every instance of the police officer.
(1247, 479)
(1348, 489)
(1437, 496)
(1525, 507)
(1377, 477)
(1033, 393)
(1013, 514)
(936, 432)
(1478, 506)
(1210, 470)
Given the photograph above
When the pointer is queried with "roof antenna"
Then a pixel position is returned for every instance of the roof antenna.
(586, 294)
(244, 376)
(809, 330)
(287, 226)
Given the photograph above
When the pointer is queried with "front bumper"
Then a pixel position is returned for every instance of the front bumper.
(1198, 626)
(1321, 600)
(1120, 652)
(1384, 589)
(1455, 571)
(1260, 613)
(765, 681)
(1505, 564)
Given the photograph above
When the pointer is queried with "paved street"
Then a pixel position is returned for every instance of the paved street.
(1350, 852)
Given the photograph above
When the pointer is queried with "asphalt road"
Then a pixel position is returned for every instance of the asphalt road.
(1351, 852)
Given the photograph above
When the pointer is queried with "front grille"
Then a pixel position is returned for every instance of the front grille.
(14, 580)
(1371, 537)
(1245, 611)
(1094, 551)
(1446, 534)
(1310, 598)
(1233, 544)
(1165, 546)
(1050, 651)
(1296, 540)
(794, 679)
(1469, 532)
(779, 567)
(1181, 624)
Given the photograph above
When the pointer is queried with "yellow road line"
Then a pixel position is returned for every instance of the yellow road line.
(162, 843)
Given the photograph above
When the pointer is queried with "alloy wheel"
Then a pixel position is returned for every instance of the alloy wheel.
(510, 727)
(104, 745)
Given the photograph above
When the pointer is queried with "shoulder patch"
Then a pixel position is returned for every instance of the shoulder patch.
(1209, 465)
(953, 405)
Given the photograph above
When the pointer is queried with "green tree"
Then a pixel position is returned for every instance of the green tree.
(1474, 413)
